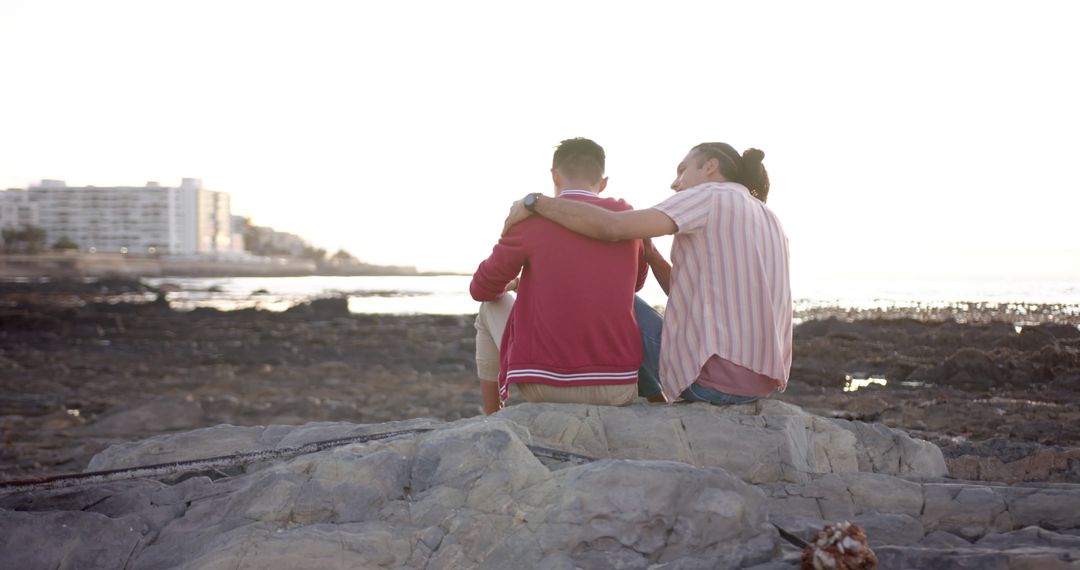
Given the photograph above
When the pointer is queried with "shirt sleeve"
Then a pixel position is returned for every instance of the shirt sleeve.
(505, 262)
(643, 266)
(688, 209)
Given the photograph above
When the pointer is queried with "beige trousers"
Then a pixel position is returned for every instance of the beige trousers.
(490, 324)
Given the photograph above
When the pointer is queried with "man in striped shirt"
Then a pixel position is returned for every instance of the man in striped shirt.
(727, 327)
(571, 335)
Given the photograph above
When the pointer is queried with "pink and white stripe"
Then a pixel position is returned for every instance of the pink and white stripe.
(577, 192)
(541, 376)
(606, 377)
(730, 286)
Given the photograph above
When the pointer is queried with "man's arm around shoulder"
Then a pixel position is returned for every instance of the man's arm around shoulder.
(594, 221)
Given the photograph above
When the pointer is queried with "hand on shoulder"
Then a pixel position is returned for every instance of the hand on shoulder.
(517, 214)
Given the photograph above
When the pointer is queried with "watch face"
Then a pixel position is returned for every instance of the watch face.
(530, 201)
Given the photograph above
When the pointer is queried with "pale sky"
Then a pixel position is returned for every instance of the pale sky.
(910, 139)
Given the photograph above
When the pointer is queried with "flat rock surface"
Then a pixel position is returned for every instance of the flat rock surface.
(485, 493)
(466, 495)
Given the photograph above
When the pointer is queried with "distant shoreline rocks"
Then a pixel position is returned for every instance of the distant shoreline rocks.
(75, 265)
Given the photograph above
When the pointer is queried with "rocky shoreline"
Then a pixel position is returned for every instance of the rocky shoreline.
(960, 449)
(647, 488)
(78, 373)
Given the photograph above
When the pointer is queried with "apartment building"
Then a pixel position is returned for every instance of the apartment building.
(16, 210)
(183, 220)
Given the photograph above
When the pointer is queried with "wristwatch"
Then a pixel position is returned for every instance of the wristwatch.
(530, 201)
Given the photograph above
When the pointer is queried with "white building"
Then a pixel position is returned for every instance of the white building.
(184, 220)
(16, 210)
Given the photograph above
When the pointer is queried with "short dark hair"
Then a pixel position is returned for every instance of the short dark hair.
(579, 159)
(746, 169)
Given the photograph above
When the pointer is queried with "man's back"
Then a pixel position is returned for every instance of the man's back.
(573, 322)
(730, 292)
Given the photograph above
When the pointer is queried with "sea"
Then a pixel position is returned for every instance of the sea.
(449, 295)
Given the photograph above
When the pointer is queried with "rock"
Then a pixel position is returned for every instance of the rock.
(927, 374)
(27, 404)
(159, 414)
(965, 510)
(878, 493)
(1012, 461)
(326, 308)
(835, 497)
(1035, 338)
(1031, 536)
(943, 540)
(889, 528)
(985, 335)
(225, 439)
(67, 539)
(948, 559)
(881, 449)
(765, 441)
(970, 366)
(1056, 508)
(831, 327)
(1059, 331)
(650, 512)
(864, 406)
(392, 503)
(472, 494)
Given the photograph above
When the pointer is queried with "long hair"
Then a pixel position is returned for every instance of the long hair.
(746, 169)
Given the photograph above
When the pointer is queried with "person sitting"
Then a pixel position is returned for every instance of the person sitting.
(569, 335)
(727, 330)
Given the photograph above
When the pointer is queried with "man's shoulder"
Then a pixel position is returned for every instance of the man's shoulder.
(617, 204)
(614, 204)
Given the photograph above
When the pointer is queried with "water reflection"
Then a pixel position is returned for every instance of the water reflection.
(1013, 401)
(853, 383)
(448, 294)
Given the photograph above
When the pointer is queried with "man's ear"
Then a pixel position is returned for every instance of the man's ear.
(603, 184)
(712, 166)
(556, 178)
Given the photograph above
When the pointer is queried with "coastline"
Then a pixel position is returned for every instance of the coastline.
(80, 375)
(78, 265)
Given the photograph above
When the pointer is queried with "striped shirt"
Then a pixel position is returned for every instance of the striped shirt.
(730, 293)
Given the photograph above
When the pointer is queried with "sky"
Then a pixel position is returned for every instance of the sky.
(914, 140)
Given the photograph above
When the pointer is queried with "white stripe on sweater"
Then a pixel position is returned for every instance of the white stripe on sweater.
(577, 377)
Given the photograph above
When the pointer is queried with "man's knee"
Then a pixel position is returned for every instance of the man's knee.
(490, 323)
(493, 315)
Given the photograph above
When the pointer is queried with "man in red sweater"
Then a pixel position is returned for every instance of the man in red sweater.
(570, 336)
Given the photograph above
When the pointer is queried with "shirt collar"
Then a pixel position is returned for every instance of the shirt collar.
(577, 192)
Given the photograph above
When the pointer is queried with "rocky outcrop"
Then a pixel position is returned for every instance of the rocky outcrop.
(469, 494)
(766, 441)
(688, 486)
(1013, 461)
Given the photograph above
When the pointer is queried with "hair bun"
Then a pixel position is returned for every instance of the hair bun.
(753, 155)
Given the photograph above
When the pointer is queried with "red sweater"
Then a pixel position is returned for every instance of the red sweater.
(573, 322)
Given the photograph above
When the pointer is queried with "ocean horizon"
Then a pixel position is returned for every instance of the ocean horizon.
(449, 295)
